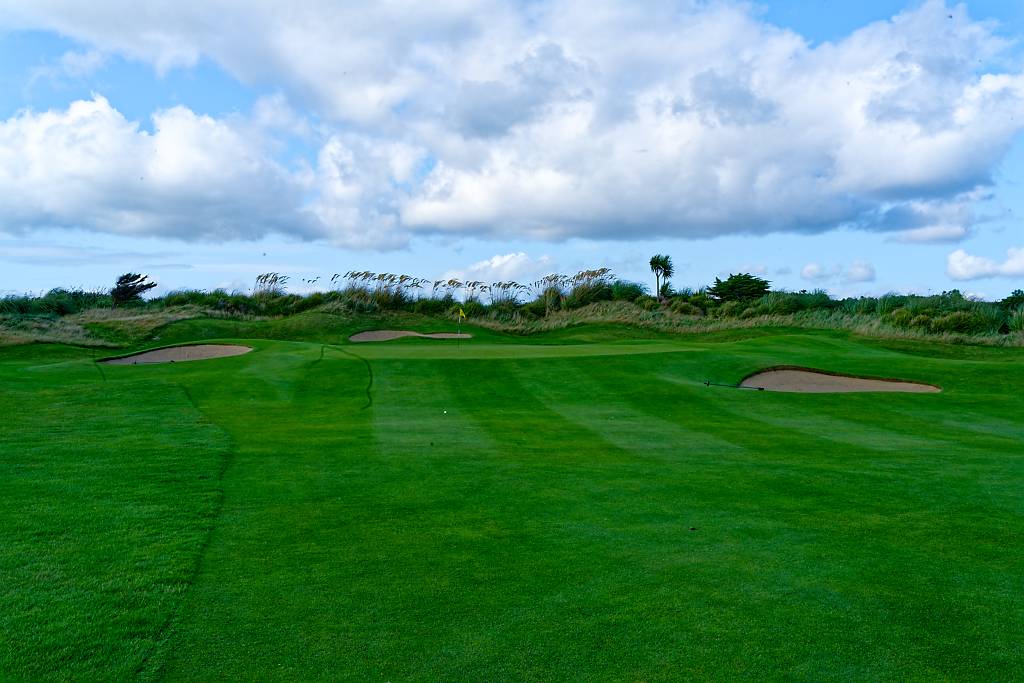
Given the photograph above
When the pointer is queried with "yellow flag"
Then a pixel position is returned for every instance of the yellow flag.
(462, 314)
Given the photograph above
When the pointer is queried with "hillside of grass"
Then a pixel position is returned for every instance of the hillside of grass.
(364, 300)
(155, 324)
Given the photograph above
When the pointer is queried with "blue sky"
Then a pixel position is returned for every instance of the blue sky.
(858, 147)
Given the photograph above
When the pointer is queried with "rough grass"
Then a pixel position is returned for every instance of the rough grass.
(333, 323)
(15, 330)
(565, 507)
(661, 320)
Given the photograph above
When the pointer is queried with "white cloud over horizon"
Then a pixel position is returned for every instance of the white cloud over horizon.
(516, 266)
(193, 177)
(856, 272)
(548, 121)
(963, 266)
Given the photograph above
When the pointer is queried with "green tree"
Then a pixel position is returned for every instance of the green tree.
(661, 266)
(129, 287)
(1014, 301)
(739, 287)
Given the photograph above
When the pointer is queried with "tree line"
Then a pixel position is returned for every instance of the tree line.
(740, 295)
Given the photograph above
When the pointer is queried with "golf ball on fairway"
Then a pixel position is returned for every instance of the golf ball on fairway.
(446, 412)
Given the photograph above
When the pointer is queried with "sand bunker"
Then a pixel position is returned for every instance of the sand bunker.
(812, 382)
(388, 335)
(178, 354)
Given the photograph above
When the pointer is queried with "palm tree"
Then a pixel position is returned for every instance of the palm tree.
(661, 266)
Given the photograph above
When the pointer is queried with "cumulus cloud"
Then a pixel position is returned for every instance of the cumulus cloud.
(858, 271)
(573, 118)
(963, 266)
(516, 266)
(933, 233)
(357, 190)
(192, 177)
(815, 272)
(196, 177)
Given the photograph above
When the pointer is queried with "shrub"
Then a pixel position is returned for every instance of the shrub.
(900, 317)
(702, 301)
(1016, 320)
(780, 303)
(648, 303)
(751, 312)
(920, 321)
(391, 299)
(739, 287)
(862, 306)
(627, 291)
(683, 307)
(186, 297)
(552, 298)
(472, 308)
(536, 308)
(730, 309)
(1014, 302)
(888, 304)
(587, 293)
(506, 309)
(818, 299)
(55, 302)
(359, 305)
(966, 322)
(432, 306)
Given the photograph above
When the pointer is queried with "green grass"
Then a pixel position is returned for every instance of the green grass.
(586, 509)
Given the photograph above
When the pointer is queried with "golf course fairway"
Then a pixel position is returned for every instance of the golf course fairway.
(560, 507)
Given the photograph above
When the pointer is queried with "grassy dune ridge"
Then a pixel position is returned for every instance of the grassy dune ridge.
(130, 327)
(570, 505)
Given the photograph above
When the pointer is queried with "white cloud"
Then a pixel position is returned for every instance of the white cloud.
(196, 177)
(963, 266)
(858, 271)
(815, 272)
(193, 177)
(72, 66)
(516, 266)
(356, 190)
(79, 64)
(567, 118)
(933, 233)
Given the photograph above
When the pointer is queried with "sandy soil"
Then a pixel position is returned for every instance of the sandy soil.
(388, 335)
(810, 382)
(177, 354)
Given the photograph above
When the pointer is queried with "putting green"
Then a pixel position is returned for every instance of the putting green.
(503, 509)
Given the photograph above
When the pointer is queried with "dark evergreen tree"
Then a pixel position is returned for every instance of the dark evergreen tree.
(129, 288)
(739, 287)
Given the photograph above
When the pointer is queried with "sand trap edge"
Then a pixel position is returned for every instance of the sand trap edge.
(389, 335)
(920, 387)
(178, 353)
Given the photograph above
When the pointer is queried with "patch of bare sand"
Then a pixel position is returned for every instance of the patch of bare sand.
(812, 382)
(178, 354)
(388, 335)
